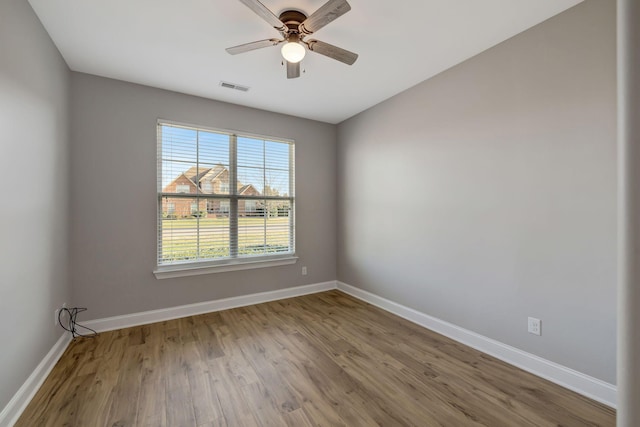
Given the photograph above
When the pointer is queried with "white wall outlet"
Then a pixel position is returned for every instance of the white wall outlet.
(56, 313)
(535, 326)
(304, 271)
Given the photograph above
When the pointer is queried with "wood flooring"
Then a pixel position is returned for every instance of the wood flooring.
(319, 360)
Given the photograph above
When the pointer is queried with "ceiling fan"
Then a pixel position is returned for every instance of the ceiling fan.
(295, 26)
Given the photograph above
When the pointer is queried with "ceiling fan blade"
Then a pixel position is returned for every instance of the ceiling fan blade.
(293, 70)
(330, 11)
(333, 52)
(264, 13)
(253, 46)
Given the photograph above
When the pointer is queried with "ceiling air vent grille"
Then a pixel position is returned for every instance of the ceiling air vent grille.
(234, 86)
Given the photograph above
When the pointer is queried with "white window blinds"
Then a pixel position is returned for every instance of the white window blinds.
(223, 196)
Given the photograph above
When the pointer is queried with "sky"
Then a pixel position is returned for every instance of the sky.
(260, 161)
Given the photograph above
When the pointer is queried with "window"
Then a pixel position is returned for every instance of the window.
(250, 205)
(249, 221)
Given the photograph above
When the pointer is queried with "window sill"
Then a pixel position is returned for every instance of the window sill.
(183, 270)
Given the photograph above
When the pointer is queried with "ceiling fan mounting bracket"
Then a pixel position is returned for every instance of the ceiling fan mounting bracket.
(292, 19)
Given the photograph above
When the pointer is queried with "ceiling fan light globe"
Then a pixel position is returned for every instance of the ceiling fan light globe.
(293, 52)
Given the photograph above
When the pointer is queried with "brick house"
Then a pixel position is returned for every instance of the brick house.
(213, 180)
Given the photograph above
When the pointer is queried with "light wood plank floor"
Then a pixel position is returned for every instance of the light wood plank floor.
(319, 360)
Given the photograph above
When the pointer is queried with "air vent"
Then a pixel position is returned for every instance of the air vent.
(234, 86)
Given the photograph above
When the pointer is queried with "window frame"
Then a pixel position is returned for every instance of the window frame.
(234, 262)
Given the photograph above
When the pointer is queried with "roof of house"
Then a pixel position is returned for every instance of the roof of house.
(197, 174)
(244, 188)
(214, 172)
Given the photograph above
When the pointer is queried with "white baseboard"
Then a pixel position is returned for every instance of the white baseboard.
(573, 380)
(21, 399)
(152, 316)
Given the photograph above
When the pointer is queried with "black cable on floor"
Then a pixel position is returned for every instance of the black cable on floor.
(73, 325)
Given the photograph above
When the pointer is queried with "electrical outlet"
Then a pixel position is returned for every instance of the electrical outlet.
(304, 271)
(56, 313)
(535, 326)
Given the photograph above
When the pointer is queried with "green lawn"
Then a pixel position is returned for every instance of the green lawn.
(180, 237)
(221, 222)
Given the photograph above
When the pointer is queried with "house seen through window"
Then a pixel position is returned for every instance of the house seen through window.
(223, 197)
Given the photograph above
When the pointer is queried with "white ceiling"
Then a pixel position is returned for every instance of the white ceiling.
(180, 45)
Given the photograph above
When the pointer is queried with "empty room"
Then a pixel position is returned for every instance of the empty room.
(320, 213)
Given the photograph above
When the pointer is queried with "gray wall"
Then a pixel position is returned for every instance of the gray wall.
(113, 204)
(487, 194)
(34, 83)
(482, 196)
